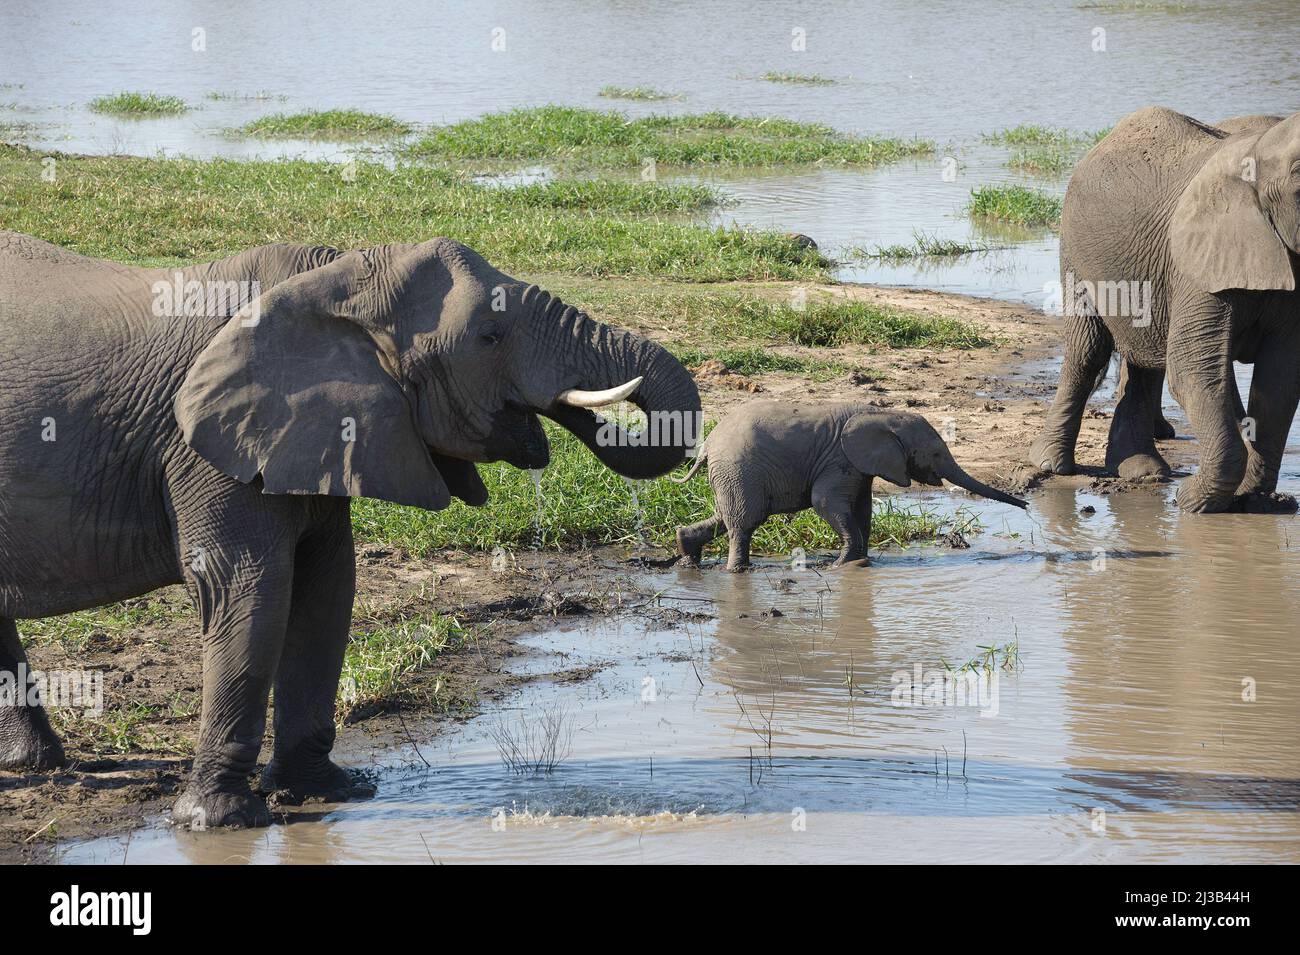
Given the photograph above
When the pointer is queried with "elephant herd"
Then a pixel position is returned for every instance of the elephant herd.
(218, 446)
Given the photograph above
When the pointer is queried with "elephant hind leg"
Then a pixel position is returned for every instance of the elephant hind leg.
(27, 742)
(838, 503)
(1131, 448)
(693, 538)
(1088, 346)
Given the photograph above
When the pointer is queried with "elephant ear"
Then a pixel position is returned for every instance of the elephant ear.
(302, 387)
(873, 448)
(1219, 236)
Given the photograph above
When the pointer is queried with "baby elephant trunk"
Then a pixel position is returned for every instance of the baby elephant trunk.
(957, 476)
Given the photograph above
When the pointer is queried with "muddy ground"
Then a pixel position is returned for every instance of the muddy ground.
(995, 397)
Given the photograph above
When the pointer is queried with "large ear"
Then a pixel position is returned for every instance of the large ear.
(873, 448)
(302, 387)
(1219, 236)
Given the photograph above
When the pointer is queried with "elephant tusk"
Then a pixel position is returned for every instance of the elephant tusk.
(577, 398)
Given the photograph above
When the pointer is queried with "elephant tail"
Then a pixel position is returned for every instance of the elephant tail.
(699, 460)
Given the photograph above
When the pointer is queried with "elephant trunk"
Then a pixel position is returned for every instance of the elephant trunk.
(605, 358)
(957, 476)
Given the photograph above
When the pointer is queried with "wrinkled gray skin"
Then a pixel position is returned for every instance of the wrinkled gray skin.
(1168, 200)
(212, 451)
(774, 457)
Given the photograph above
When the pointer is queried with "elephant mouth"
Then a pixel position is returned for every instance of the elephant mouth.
(518, 439)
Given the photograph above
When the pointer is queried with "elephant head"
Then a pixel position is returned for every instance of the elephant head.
(904, 447)
(387, 372)
(1237, 223)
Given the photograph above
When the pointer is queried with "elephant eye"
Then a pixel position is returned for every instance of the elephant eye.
(490, 335)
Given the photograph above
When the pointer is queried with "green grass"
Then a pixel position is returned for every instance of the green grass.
(166, 211)
(1018, 205)
(810, 79)
(646, 93)
(755, 360)
(1044, 150)
(928, 246)
(77, 632)
(586, 504)
(708, 318)
(382, 655)
(604, 139)
(325, 124)
(139, 105)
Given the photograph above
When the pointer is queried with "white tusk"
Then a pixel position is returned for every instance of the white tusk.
(578, 398)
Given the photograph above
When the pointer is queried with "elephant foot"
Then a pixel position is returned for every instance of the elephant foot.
(739, 567)
(325, 781)
(1047, 453)
(1196, 496)
(197, 810)
(1142, 466)
(27, 744)
(853, 560)
(688, 549)
(1164, 431)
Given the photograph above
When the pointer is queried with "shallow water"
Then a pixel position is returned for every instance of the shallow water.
(1122, 735)
(946, 72)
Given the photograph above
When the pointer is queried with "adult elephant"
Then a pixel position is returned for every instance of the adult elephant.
(148, 437)
(1178, 250)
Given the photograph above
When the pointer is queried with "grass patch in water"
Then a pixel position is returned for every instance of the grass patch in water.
(1044, 150)
(139, 105)
(608, 139)
(325, 124)
(803, 79)
(927, 246)
(1018, 205)
(585, 504)
(170, 211)
(645, 93)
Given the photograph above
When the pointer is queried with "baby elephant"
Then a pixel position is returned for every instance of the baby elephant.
(771, 457)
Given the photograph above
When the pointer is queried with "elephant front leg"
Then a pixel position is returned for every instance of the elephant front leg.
(838, 503)
(1274, 394)
(1201, 377)
(307, 681)
(1131, 448)
(1087, 350)
(693, 538)
(244, 602)
(738, 542)
(26, 740)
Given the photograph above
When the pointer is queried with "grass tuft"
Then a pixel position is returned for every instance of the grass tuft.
(809, 79)
(645, 93)
(139, 105)
(1018, 205)
(325, 124)
(604, 139)
(382, 655)
(928, 246)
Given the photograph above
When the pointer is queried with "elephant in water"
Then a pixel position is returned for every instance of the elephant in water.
(1178, 250)
(153, 432)
(773, 457)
